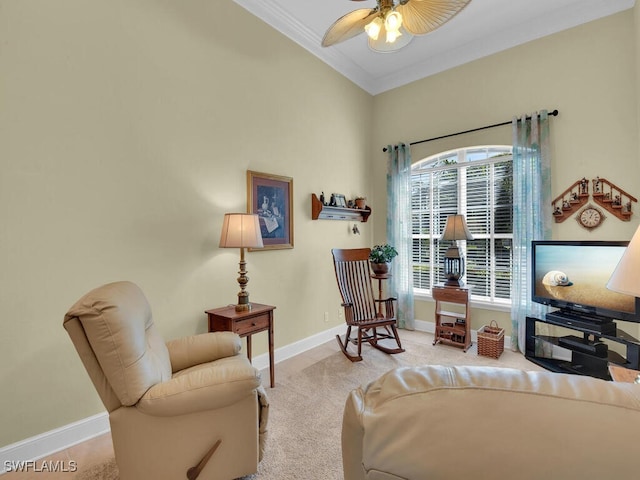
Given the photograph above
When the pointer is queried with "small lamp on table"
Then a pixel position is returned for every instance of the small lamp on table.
(454, 230)
(241, 230)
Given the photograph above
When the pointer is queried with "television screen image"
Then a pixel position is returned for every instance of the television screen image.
(574, 275)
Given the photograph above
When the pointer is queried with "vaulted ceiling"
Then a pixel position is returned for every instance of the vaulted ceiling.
(484, 27)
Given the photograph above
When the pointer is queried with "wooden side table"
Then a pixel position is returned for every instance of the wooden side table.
(380, 277)
(458, 332)
(245, 324)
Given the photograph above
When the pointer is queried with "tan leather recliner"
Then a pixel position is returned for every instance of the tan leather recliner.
(169, 403)
(437, 422)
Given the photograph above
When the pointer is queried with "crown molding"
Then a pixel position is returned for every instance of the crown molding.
(569, 16)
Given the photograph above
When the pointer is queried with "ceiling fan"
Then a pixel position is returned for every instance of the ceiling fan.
(392, 24)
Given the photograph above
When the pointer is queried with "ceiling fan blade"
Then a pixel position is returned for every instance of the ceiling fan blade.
(348, 26)
(424, 16)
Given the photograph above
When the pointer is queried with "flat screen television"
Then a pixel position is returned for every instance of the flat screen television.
(572, 276)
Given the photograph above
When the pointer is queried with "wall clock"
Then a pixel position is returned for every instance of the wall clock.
(590, 217)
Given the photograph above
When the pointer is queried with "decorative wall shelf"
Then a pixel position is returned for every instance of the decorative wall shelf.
(612, 198)
(325, 212)
(571, 200)
(609, 196)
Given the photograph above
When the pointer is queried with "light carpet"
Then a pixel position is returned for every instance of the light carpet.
(306, 407)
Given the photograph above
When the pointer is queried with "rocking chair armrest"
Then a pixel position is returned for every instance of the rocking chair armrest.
(348, 311)
(390, 299)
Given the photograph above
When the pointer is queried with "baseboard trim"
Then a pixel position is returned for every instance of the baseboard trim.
(262, 361)
(47, 443)
(423, 326)
(53, 441)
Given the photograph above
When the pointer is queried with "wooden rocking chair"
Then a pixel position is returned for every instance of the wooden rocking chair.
(362, 310)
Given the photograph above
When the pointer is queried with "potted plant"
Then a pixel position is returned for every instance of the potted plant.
(380, 258)
(360, 202)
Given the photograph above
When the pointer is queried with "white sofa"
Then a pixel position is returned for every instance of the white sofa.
(441, 422)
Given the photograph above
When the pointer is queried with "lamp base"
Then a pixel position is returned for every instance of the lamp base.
(453, 267)
(245, 307)
(243, 296)
(452, 282)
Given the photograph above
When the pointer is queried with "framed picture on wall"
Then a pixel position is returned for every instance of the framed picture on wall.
(271, 198)
(340, 200)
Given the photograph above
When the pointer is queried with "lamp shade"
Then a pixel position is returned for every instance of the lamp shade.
(456, 229)
(241, 230)
(626, 278)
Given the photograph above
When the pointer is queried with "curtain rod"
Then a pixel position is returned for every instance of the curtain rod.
(554, 113)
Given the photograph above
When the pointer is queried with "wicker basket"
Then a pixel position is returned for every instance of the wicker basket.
(491, 340)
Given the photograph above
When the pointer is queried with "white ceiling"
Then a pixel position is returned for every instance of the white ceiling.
(484, 27)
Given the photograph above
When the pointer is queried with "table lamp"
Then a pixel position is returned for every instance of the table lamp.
(241, 230)
(624, 278)
(454, 230)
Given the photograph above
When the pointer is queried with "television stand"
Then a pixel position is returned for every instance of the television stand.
(590, 355)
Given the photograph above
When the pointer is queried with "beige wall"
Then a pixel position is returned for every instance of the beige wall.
(636, 24)
(588, 73)
(127, 127)
(126, 130)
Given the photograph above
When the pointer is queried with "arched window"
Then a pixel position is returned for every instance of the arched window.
(476, 182)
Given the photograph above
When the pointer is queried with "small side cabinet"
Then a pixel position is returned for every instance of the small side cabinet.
(452, 328)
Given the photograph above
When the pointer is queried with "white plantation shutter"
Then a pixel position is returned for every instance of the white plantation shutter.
(421, 230)
(476, 182)
(503, 227)
(478, 208)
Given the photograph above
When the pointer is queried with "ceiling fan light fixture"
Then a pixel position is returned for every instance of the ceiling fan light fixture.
(381, 45)
(392, 35)
(392, 24)
(373, 28)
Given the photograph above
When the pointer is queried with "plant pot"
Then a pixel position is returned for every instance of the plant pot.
(380, 268)
(360, 203)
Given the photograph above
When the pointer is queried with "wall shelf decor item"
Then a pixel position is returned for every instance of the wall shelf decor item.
(571, 200)
(327, 212)
(338, 200)
(271, 198)
(612, 198)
